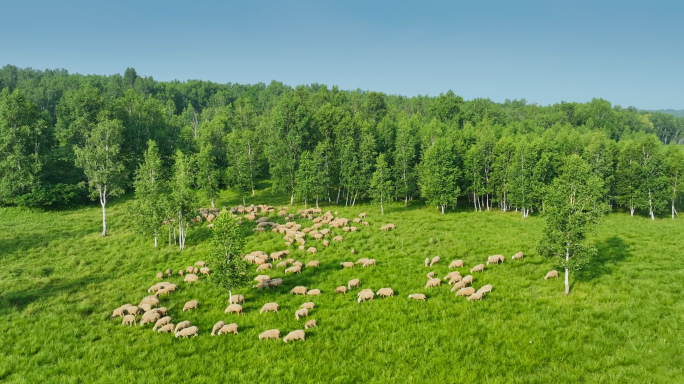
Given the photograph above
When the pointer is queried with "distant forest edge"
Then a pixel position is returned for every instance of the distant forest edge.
(673, 112)
(65, 138)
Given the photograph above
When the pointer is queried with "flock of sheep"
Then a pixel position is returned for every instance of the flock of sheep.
(150, 311)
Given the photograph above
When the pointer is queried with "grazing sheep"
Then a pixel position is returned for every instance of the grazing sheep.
(435, 260)
(384, 292)
(190, 278)
(294, 335)
(517, 256)
(195, 270)
(308, 305)
(433, 283)
(201, 264)
(261, 278)
(486, 288)
(181, 326)
(313, 264)
(261, 285)
(363, 291)
(347, 264)
(151, 300)
(294, 269)
(362, 215)
(290, 261)
(282, 264)
(326, 243)
(269, 307)
(155, 287)
(468, 280)
(366, 223)
(162, 310)
(458, 286)
(121, 311)
(189, 269)
(190, 331)
(369, 263)
(353, 283)
(302, 312)
(353, 229)
(301, 247)
(160, 275)
(363, 296)
(264, 267)
(217, 327)
(427, 262)
(312, 250)
(356, 220)
(430, 275)
(456, 264)
(313, 292)
(478, 268)
(361, 261)
(417, 296)
(476, 296)
(299, 290)
(169, 272)
(228, 328)
(495, 259)
(310, 324)
(274, 282)
(270, 334)
(237, 308)
(451, 274)
(467, 291)
(346, 229)
(162, 322)
(145, 307)
(237, 299)
(551, 275)
(455, 279)
(341, 289)
(128, 319)
(180, 272)
(162, 291)
(338, 238)
(132, 310)
(192, 304)
(166, 328)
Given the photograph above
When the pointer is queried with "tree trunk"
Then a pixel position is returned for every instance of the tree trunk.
(243, 201)
(674, 211)
(169, 226)
(382, 209)
(305, 203)
(567, 273)
(316, 201)
(230, 297)
(155, 238)
(442, 209)
(212, 202)
(292, 199)
(104, 218)
(405, 201)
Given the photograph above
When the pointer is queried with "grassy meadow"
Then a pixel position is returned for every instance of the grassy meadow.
(60, 281)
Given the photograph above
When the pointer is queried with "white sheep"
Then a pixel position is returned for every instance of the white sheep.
(201, 264)
(468, 280)
(435, 260)
(261, 278)
(190, 331)
(467, 291)
(313, 264)
(478, 268)
(384, 292)
(486, 288)
(341, 289)
(162, 322)
(150, 317)
(264, 267)
(237, 308)
(451, 274)
(347, 264)
(128, 319)
(369, 263)
(430, 275)
(312, 250)
(458, 286)
(495, 259)
(192, 304)
(298, 290)
(427, 262)
(166, 328)
(294, 269)
(269, 307)
(476, 296)
(237, 299)
(294, 335)
(217, 327)
(190, 278)
(205, 271)
(181, 326)
(151, 300)
(310, 324)
(433, 283)
(270, 334)
(361, 261)
(308, 305)
(517, 256)
(455, 279)
(228, 328)
(456, 264)
(551, 275)
(302, 312)
(353, 283)
(313, 292)
(363, 296)
(417, 296)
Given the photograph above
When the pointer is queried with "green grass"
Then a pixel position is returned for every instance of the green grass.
(622, 322)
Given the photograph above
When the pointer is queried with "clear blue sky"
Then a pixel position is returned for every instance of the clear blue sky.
(628, 52)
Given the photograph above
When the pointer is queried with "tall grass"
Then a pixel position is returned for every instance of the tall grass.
(59, 282)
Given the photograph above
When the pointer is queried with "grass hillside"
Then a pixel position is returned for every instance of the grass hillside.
(60, 281)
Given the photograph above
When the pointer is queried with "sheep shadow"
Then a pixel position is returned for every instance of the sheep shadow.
(609, 253)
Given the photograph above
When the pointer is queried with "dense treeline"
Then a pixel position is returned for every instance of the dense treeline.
(64, 137)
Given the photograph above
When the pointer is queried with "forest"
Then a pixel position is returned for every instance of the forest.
(69, 138)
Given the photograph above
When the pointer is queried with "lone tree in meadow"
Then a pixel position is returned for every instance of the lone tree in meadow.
(101, 162)
(381, 185)
(572, 207)
(229, 270)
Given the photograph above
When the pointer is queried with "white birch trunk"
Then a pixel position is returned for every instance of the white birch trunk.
(155, 238)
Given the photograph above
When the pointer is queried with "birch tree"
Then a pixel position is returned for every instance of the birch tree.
(439, 175)
(404, 160)
(148, 184)
(207, 174)
(381, 188)
(573, 206)
(306, 177)
(653, 183)
(628, 175)
(674, 171)
(183, 197)
(103, 167)
(229, 270)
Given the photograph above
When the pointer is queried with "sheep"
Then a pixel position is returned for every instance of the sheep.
(430, 275)
(362, 215)
(310, 324)
(384, 292)
(261, 278)
(121, 311)
(282, 264)
(363, 296)
(517, 256)
(190, 331)
(294, 335)
(369, 263)
(204, 271)
(347, 264)
(201, 264)
(264, 267)
(356, 220)
(269, 307)
(455, 279)
(361, 261)
(128, 319)
(353, 229)
(270, 334)
(294, 269)
(364, 291)
(467, 291)
(313, 292)
(155, 287)
(417, 296)
(237, 299)
(317, 236)
(274, 282)
(166, 328)
(486, 288)
(551, 275)
(162, 310)
(476, 296)
(151, 300)
(299, 290)
(312, 250)
(190, 278)
(192, 304)
(161, 322)
(353, 251)
(261, 285)
(435, 260)
(195, 270)
(228, 328)
(180, 272)
(162, 291)
(326, 243)
(468, 280)
(237, 308)
(346, 229)
(495, 259)
(353, 283)
(313, 264)
(302, 312)
(341, 289)
(366, 223)
(308, 305)
(451, 274)
(478, 268)
(145, 307)
(181, 326)
(338, 238)
(384, 228)
(132, 310)
(456, 264)
(189, 269)
(433, 283)
(160, 275)
(169, 272)
(427, 262)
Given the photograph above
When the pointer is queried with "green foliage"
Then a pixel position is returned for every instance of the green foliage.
(148, 207)
(183, 200)
(382, 186)
(207, 173)
(438, 175)
(229, 270)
